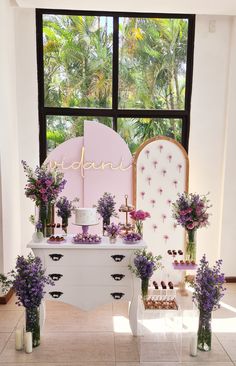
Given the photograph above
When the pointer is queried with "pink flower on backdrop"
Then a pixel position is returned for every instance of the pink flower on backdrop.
(154, 227)
(139, 215)
(175, 182)
(149, 180)
(169, 158)
(160, 190)
(169, 202)
(142, 194)
(163, 217)
(166, 237)
(142, 168)
(155, 163)
(147, 152)
(153, 202)
(163, 172)
(179, 167)
(160, 148)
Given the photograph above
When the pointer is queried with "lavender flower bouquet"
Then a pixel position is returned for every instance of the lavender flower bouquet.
(65, 208)
(145, 263)
(43, 187)
(190, 211)
(106, 208)
(208, 289)
(28, 280)
(113, 231)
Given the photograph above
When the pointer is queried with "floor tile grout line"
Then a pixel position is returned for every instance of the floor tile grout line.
(225, 349)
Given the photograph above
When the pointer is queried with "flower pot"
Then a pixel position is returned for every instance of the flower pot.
(191, 247)
(33, 325)
(204, 331)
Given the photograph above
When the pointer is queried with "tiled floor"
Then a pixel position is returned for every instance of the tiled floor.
(102, 337)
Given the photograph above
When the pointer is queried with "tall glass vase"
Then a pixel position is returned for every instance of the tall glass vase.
(32, 324)
(64, 224)
(204, 331)
(139, 227)
(46, 217)
(191, 247)
(106, 222)
(144, 287)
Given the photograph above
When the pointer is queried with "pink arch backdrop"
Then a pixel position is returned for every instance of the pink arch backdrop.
(98, 162)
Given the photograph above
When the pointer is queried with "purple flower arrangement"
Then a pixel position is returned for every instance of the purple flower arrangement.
(43, 185)
(190, 211)
(65, 208)
(132, 237)
(113, 230)
(145, 263)
(106, 206)
(86, 239)
(28, 280)
(208, 286)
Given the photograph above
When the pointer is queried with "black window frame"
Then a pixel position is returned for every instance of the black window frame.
(113, 112)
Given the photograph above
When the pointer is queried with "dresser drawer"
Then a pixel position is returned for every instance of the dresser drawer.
(79, 275)
(86, 258)
(88, 298)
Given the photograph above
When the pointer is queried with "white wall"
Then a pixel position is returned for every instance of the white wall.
(206, 144)
(211, 136)
(226, 7)
(27, 111)
(9, 141)
(228, 235)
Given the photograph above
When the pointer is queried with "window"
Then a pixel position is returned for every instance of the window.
(132, 72)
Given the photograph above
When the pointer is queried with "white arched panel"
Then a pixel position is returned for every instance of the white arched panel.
(160, 171)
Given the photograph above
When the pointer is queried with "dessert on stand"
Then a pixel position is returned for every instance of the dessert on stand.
(126, 208)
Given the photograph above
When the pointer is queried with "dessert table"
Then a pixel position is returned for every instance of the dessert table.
(90, 275)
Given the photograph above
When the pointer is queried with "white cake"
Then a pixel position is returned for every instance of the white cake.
(86, 216)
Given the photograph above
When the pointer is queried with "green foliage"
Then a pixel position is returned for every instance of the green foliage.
(78, 72)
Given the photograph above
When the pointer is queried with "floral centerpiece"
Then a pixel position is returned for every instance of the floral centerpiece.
(139, 216)
(113, 231)
(106, 209)
(132, 238)
(28, 280)
(208, 289)
(43, 187)
(65, 208)
(145, 263)
(190, 211)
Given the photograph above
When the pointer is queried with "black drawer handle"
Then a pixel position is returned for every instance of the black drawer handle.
(55, 276)
(56, 257)
(117, 295)
(118, 257)
(117, 277)
(56, 294)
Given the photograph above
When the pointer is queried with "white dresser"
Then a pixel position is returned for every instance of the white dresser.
(89, 275)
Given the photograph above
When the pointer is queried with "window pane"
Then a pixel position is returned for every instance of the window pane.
(137, 130)
(62, 128)
(152, 63)
(77, 61)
